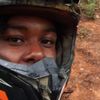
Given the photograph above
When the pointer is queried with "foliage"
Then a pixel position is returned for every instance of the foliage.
(88, 8)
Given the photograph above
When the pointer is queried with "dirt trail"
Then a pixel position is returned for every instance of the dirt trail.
(84, 83)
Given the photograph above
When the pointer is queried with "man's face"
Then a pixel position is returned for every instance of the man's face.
(27, 40)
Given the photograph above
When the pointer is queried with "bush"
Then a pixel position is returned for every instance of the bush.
(88, 8)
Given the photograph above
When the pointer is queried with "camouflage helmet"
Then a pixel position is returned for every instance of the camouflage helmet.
(64, 13)
(55, 10)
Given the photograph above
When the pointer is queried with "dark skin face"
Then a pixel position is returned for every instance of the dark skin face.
(28, 40)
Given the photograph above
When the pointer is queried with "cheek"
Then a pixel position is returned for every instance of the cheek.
(10, 54)
(50, 53)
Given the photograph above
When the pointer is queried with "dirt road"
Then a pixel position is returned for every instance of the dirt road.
(84, 83)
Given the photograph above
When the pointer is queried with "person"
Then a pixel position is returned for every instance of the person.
(37, 40)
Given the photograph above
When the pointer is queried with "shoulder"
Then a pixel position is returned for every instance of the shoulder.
(17, 89)
(8, 89)
(10, 92)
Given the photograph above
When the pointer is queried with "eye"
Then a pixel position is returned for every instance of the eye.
(48, 43)
(14, 40)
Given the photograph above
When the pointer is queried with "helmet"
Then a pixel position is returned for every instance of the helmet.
(53, 10)
(65, 14)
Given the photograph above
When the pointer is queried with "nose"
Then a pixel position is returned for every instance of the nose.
(34, 54)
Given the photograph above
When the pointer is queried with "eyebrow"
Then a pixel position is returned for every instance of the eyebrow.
(20, 27)
(50, 29)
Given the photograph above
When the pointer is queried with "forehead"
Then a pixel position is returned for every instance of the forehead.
(30, 20)
(31, 24)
